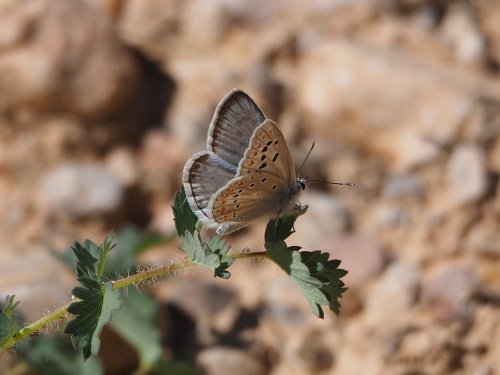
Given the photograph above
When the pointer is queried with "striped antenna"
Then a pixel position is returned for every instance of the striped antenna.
(307, 180)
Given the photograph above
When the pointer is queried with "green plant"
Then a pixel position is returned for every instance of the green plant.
(99, 299)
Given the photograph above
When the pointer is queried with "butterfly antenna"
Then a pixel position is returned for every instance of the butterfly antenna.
(305, 159)
(331, 183)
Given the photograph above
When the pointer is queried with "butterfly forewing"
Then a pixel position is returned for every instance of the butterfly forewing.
(248, 197)
(268, 153)
(234, 122)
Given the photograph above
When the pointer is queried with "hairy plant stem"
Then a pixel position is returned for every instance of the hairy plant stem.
(139, 277)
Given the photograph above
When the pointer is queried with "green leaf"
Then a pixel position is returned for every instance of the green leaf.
(281, 228)
(290, 260)
(211, 254)
(9, 320)
(97, 303)
(218, 246)
(97, 299)
(185, 219)
(54, 355)
(137, 324)
(87, 258)
(317, 277)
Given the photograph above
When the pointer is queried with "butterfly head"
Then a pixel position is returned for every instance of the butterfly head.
(301, 183)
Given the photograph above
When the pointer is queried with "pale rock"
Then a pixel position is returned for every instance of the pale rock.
(463, 35)
(361, 256)
(72, 62)
(466, 175)
(37, 278)
(489, 21)
(339, 91)
(404, 148)
(484, 237)
(122, 164)
(205, 22)
(81, 189)
(383, 215)
(229, 361)
(326, 217)
(161, 160)
(149, 22)
(447, 293)
(284, 302)
(391, 296)
(485, 333)
(402, 186)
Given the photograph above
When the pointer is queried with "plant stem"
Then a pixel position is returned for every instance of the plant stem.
(36, 326)
(151, 274)
(121, 283)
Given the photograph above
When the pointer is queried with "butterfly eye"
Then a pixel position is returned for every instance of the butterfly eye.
(301, 184)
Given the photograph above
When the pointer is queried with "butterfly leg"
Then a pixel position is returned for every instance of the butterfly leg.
(276, 221)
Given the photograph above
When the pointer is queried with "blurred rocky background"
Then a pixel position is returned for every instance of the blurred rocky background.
(103, 101)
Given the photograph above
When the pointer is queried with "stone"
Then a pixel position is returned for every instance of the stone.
(488, 13)
(122, 164)
(394, 293)
(73, 62)
(407, 120)
(466, 175)
(402, 186)
(325, 217)
(228, 361)
(361, 256)
(81, 189)
(37, 278)
(448, 292)
(462, 34)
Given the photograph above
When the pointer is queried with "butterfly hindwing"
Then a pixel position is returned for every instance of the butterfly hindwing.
(204, 174)
(234, 122)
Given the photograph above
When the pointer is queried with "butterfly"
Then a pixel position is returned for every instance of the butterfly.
(247, 171)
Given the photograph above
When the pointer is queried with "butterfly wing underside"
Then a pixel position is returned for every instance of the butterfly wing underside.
(234, 122)
(203, 175)
(265, 181)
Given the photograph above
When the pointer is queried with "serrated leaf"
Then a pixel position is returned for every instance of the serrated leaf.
(290, 260)
(9, 320)
(97, 303)
(218, 246)
(281, 228)
(54, 355)
(87, 258)
(137, 323)
(211, 254)
(197, 252)
(185, 219)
